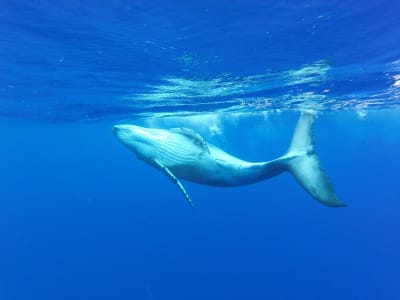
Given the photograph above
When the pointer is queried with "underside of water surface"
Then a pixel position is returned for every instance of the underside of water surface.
(74, 62)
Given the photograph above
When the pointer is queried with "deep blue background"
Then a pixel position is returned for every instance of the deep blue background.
(82, 218)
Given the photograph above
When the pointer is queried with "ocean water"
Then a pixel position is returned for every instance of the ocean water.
(82, 218)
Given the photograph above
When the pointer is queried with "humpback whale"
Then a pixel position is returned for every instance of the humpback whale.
(182, 153)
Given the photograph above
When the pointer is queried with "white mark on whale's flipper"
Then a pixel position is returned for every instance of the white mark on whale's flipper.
(175, 180)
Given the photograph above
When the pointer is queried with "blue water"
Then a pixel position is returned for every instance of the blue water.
(82, 218)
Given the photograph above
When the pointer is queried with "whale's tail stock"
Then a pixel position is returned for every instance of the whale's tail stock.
(303, 163)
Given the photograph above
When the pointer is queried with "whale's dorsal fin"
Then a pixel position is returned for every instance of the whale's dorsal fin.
(175, 180)
(194, 136)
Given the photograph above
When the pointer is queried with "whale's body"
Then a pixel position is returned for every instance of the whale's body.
(182, 153)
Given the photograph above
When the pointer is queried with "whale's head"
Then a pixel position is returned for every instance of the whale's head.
(140, 140)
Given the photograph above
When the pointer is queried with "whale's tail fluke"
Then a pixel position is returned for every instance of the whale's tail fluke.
(304, 164)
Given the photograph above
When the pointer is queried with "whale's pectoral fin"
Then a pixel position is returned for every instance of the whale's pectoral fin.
(175, 180)
(193, 136)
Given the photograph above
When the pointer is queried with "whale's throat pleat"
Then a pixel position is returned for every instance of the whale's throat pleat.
(175, 151)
